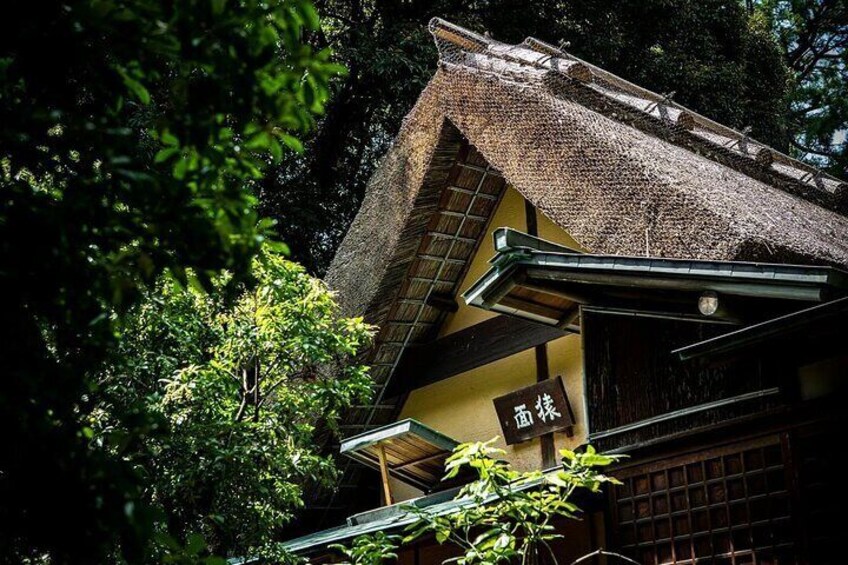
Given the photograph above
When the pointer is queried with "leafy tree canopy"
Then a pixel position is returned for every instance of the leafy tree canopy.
(813, 36)
(130, 130)
(236, 387)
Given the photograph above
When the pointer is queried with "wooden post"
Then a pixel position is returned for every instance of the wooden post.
(548, 446)
(384, 474)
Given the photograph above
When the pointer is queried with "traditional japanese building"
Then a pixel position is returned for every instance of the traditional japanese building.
(558, 257)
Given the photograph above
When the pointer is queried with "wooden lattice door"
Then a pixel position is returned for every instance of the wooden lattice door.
(722, 506)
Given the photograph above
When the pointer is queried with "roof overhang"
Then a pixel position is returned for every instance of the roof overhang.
(543, 282)
(413, 453)
(398, 516)
(388, 519)
(815, 332)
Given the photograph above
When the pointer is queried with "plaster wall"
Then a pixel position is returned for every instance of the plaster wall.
(461, 406)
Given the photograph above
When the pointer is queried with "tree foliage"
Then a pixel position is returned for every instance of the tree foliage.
(504, 516)
(237, 386)
(813, 36)
(710, 54)
(130, 130)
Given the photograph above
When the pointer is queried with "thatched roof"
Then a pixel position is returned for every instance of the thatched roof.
(604, 159)
(621, 169)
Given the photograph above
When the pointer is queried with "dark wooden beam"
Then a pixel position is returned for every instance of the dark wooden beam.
(467, 349)
(442, 301)
(531, 218)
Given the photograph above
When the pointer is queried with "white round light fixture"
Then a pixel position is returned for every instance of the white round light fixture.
(708, 303)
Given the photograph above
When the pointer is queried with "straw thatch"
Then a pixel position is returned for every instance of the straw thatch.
(623, 170)
(617, 167)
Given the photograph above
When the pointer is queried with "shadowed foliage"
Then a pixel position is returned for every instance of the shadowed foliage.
(130, 130)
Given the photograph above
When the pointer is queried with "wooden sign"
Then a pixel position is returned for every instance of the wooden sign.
(534, 411)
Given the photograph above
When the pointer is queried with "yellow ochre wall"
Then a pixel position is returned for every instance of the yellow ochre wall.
(461, 406)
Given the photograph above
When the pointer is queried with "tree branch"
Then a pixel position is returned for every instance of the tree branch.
(809, 150)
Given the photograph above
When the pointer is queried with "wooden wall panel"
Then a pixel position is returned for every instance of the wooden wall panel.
(631, 377)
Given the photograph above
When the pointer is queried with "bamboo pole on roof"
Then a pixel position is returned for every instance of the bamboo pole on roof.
(696, 119)
(457, 35)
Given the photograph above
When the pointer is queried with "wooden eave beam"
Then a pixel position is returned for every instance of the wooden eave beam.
(798, 334)
(442, 301)
(431, 457)
(467, 349)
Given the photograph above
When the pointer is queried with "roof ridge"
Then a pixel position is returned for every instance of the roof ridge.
(454, 41)
(699, 119)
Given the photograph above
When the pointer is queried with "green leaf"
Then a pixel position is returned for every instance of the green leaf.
(595, 460)
(276, 150)
(135, 87)
(165, 154)
(278, 247)
(195, 544)
(218, 6)
(310, 15)
(169, 139)
(293, 142)
(167, 541)
(180, 168)
(259, 141)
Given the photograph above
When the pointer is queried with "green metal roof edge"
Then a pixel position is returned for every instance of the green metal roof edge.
(347, 532)
(508, 239)
(511, 256)
(408, 425)
(401, 520)
(753, 271)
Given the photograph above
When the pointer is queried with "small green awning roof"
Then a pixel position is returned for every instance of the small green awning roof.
(415, 453)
